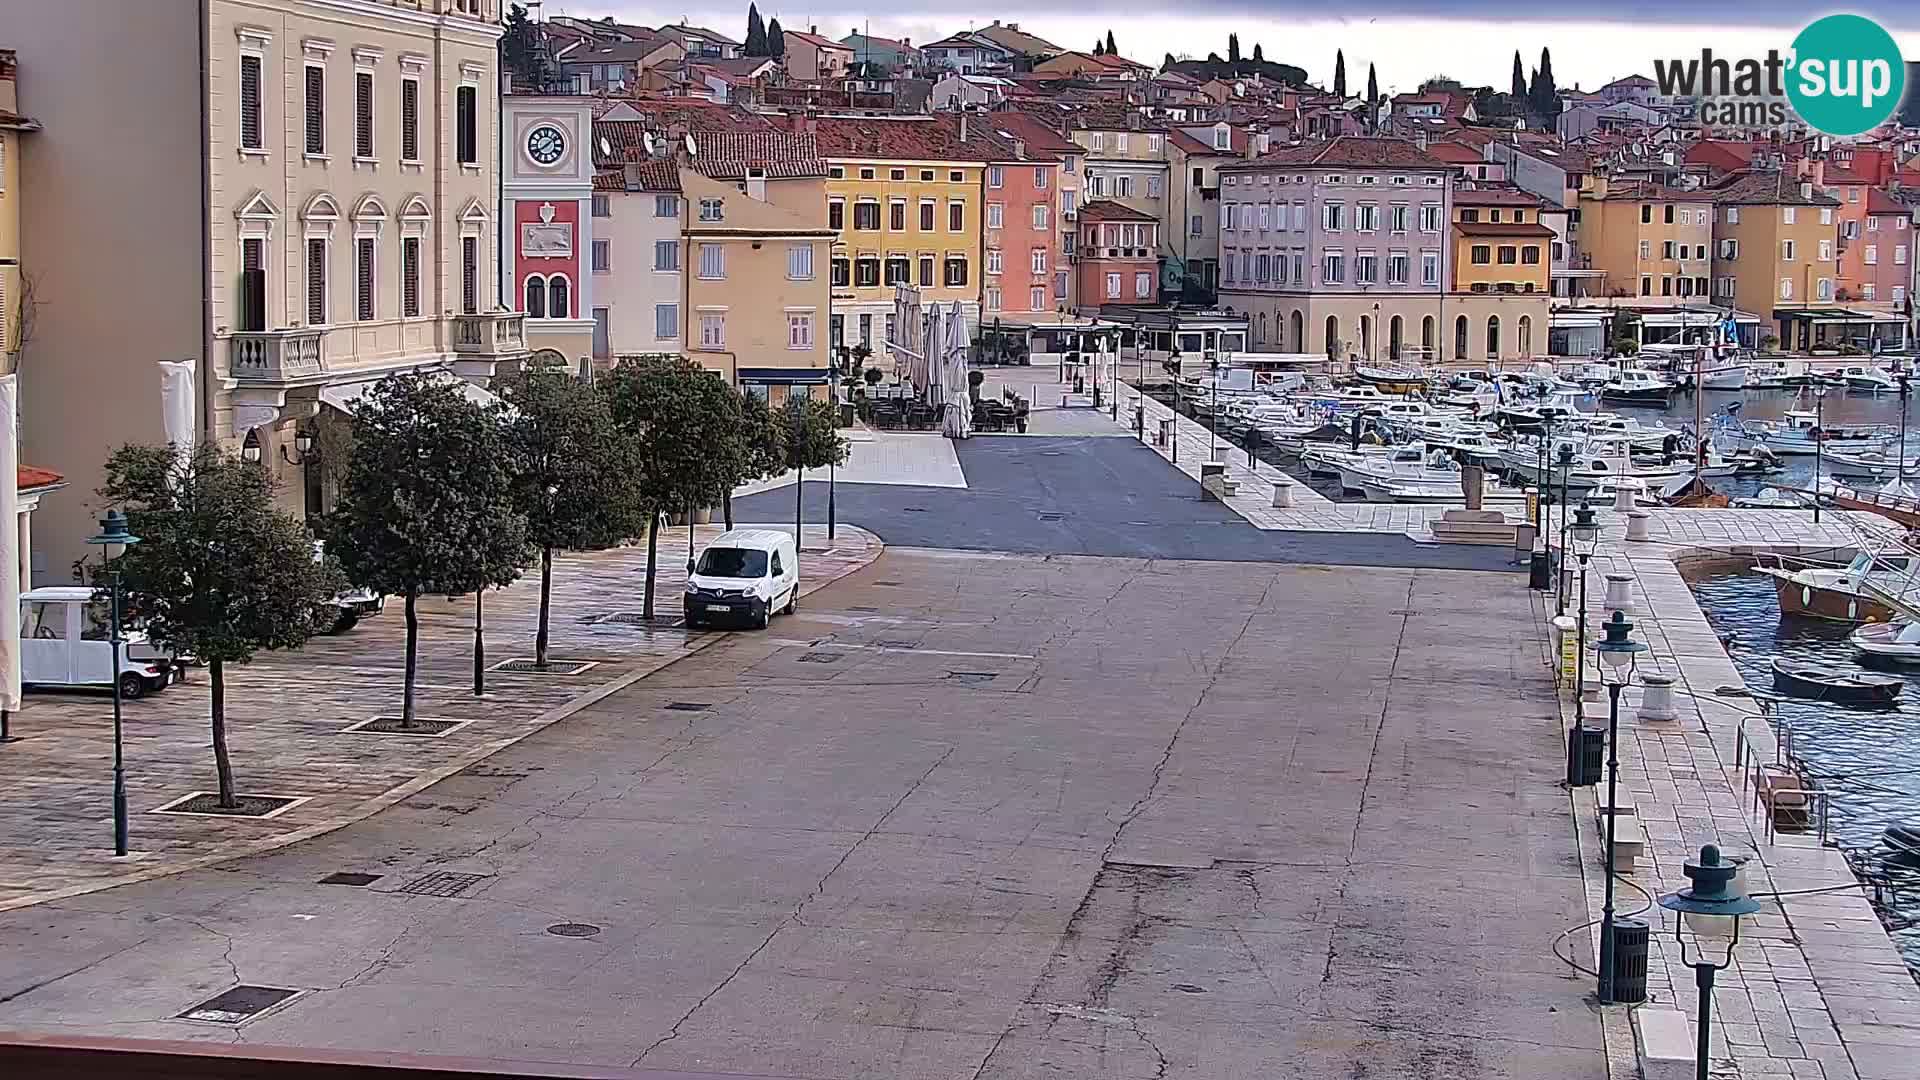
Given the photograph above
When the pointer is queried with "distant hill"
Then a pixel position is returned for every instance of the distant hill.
(1244, 68)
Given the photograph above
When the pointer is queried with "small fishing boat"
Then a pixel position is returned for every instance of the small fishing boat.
(1832, 685)
(1836, 593)
(1637, 386)
(1769, 498)
(1869, 465)
(1868, 378)
(1799, 432)
(1897, 642)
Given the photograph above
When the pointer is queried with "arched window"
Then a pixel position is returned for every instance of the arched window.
(557, 298)
(1460, 338)
(1393, 338)
(1333, 337)
(1493, 337)
(1526, 335)
(1297, 323)
(1260, 335)
(536, 297)
(1426, 338)
(1366, 337)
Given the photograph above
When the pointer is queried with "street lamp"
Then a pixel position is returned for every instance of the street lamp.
(1617, 655)
(1565, 460)
(1819, 444)
(302, 443)
(250, 447)
(1213, 418)
(113, 533)
(1586, 537)
(1712, 895)
(1906, 391)
(1173, 369)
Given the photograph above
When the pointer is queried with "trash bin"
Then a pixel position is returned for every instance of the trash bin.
(1166, 433)
(1523, 537)
(846, 414)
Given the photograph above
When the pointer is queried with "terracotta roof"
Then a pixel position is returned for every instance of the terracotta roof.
(814, 39)
(1648, 191)
(1037, 135)
(698, 31)
(1752, 188)
(1839, 174)
(656, 176)
(1108, 210)
(1018, 40)
(1502, 228)
(28, 477)
(692, 114)
(1456, 153)
(1879, 202)
(727, 155)
(1630, 80)
(1351, 152)
(17, 122)
(740, 67)
(614, 52)
(966, 39)
(1495, 196)
(916, 138)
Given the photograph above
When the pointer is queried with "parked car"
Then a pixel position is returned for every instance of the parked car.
(65, 640)
(744, 576)
(347, 608)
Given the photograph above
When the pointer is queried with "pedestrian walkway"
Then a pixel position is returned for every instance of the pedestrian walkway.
(1817, 989)
(288, 716)
(917, 458)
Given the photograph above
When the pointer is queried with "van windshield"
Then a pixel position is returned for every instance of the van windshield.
(732, 562)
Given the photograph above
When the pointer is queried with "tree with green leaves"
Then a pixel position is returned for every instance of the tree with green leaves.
(810, 430)
(1099, 47)
(756, 33)
(1373, 100)
(1167, 64)
(521, 53)
(673, 414)
(776, 40)
(1111, 51)
(1339, 74)
(764, 445)
(221, 572)
(1257, 58)
(569, 468)
(428, 502)
(1519, 76)
(1233, 48)
(1542, 95)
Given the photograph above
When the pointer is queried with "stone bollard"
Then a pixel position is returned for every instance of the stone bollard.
(1623, 496)
(1656, 698)
(1565, 649)
(1637, 525)
(1282, 493)
(1619, 593)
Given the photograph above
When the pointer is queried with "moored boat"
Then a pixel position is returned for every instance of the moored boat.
(1636, 386)
(1896, 642)
(1835, 686)
(1835, 593)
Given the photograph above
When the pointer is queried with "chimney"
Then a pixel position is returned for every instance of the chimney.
(1806, 189)
(963, 125)
(813, 30)
(1020, 149)
(757, 185)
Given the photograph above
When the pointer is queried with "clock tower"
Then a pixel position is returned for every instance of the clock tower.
(546, 196)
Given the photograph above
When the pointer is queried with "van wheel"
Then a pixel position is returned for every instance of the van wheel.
(793, 600)
(132, 686)
(766, 618)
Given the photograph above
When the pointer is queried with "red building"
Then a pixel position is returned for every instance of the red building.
(1118, 264)
(1021, 245)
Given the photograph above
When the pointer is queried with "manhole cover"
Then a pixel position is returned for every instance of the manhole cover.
(689, 706)
(914, 509)
(1402, 611)
(972, 676)
(820, 658)
(573, 929)
(1052, 517)
(529, 666)
(635, 618)
(239, 1004)
(1189, 988)
(897, 644)
(442, 883)
(348, 878)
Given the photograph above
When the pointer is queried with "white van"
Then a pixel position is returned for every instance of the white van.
(746, 575)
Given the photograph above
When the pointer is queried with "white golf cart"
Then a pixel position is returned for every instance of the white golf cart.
(346, 608)
(65, 641)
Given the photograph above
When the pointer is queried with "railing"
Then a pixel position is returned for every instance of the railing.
(493, 333)
(277, 356)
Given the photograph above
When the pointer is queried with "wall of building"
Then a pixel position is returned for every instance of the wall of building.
(1611, 232)
(952, 181)
(1884, 261)
(1024, 186)
(757, 296)
(1761, 267)
(633, 288)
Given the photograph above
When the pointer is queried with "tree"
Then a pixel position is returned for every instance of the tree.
(1373, 100)
(1111, 51)
(427, 505)
(776, 40)
(1167, 64)
(1099, 47)
(668, 408)
(1519, 77)
(766, 449)
(756, 32)
(1233, 48)
(1543, 95)
(521, 52)
(1257, 58)
(569, 467)
(812, 441)
(1339, 74)
(220, 572)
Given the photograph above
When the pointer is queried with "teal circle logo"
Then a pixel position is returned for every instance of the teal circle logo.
(1846, 75)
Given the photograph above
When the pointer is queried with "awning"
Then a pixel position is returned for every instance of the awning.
(342, 395)
(1701, 319)
(785, 376)
(1567, 320)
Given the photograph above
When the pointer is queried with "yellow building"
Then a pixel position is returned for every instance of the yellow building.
(754, 225)
(1773, 246)
(1499, 242)
(905, 197)
(1651, 242)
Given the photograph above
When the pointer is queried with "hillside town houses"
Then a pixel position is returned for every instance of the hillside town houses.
(376, 187)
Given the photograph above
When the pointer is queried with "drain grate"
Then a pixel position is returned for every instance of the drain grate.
(973, 676)
(888, 584)
(238, 1005)
(573, 929)
(820, 658)
(345, 877)
(1053, 517)
(689, 706)
(635, 618)
(896, 643)
(530, 666)
(442, 883)
(914, 509)
(861, 607)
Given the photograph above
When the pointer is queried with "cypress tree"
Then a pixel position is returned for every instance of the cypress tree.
(1339, 74)
(756, 32)
(1373, 99)
(776, 39)
(1519, 77)
(1233, 48)
(1111, 51)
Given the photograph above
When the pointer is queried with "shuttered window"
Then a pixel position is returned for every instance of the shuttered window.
(363, 278)
(316, 109)
(470, 274)
(466, 132)
(410, 120)
(316, 282)
(363, 114)
(250, 102)
(410, 277)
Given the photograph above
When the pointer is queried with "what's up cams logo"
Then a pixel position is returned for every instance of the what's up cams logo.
(1843, 75)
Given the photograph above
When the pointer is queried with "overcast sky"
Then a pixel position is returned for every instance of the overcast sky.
(1410, 40)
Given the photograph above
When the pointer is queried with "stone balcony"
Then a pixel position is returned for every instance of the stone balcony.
(500, 334)
(277, 358)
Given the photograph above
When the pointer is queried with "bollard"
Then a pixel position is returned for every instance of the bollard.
(1619, 592)
(1166, 432)
(1282, 493)
(1565, 649)
(1656, 698)
(1623, 495)
(1637, 525)
(1139, 419)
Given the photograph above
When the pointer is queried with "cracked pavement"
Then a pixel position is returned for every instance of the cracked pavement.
(1206, 819)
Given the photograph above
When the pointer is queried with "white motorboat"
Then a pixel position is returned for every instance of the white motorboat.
(1838, 593)
(1588, 372)
(1896, 642)
(1868, 378)
(1869, 465)
(1637, 386)
(1724, 376)
(1412, 464)
(1799, 432)
(1437, 491)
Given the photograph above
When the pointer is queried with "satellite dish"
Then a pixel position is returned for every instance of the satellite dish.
(647, 140)
(692, 149)
(606, 148)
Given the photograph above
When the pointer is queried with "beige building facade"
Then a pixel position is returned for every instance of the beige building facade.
(313, 214)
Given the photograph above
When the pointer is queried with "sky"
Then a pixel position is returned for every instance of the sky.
(1409, 40)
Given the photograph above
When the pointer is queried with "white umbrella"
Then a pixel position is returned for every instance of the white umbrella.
(9, 547)
(177, 404)
(959, 418)
(927, 373)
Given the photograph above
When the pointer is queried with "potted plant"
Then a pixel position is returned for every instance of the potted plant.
(874, 376)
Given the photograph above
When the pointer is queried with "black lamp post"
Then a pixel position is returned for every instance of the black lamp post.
(1565, 460)
(1586, 538)
(113, 533)
(1819, 444)
(1540, 479)
(1712, 895)
(1906, 391)
(1617, 653)
(1213, 418)
(1173, 369)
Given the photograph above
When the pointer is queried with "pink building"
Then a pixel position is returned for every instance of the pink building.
(1885, 251)
(1117, 253)
(1021, 244)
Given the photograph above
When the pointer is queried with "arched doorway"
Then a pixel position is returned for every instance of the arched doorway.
(1426, 338)
(1493, 337)
(1394, 330)
(1261, 334)
(1460, 338)
(1298, 325)
(1333, 337)
(1366, 337)
(1526, 335)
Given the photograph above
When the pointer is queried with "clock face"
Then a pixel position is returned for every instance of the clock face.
(545, 144)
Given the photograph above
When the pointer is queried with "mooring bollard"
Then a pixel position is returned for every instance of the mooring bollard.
(1656, 698)
(1282, 493)
(1623, 495)
(1619, 592)
(1637, 525)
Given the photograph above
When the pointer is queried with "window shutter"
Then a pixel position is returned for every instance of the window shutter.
(316, 110)
(363, 114)
(363, 278)
(250, 102)
(410, 120)
(316, 282)
(470, 274)
(410, 277)
(467, 134)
